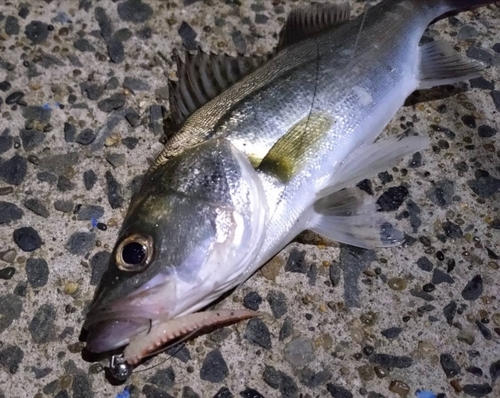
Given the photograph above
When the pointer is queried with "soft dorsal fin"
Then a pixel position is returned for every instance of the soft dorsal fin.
(203, 76)
(308, 21)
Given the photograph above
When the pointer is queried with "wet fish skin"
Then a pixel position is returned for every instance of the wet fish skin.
(295, 131)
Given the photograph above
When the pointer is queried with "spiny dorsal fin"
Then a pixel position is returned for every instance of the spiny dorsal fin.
(203, 76)
(308, 21)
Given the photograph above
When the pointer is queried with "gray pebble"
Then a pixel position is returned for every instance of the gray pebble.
(286, 329)
(155, 119)
(130, 142)
(37, 271)
(480, 55)
(277, 302)
(214, 368)
(9, 212)
(391, 333)
(41, 326)
(179, 352)
(477, 390)
(89, 179)
(449, 311)
(36, 31)
(450, 366)
(338, 391)
(442, 193)
(313, 379)
(299, 352)
(425, 264)
(13, 171)
(11, 26)
(252, 301)
(188, 35)
(104, 22)
(296, 262)
(115, 159)
(27, 239)
(90, 212)
(83, 45)
(391, 361)
(80, 243)
(467, 32)
(484, 184)
(37, 113)
(439, 277)
(474, 288)
(239, 41)
(135, 84)
(257, 333)
(482, 83)
(69, 132)
(99, 264)
(134, 11)
(64, 184)
(116, 51)
(495, 371)
(112, 84)
(123, 34)
(114, 191)
(37, 207)
(164, 378)
(11, 307)
(86, 137)
(452, 230)
(485, 131)
(31, 139)
(10, 357)
(93, 91)
(277, 379)
(81, 385)
(5, 143)
(188, 392)
(116, 101)
(335, 274)
(485, 331)
(392, 198)
(65, 206)
(495, 94)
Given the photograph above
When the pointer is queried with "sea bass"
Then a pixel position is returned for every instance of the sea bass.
(266, 148)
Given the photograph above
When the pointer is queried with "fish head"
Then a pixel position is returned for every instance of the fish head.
(191, 233)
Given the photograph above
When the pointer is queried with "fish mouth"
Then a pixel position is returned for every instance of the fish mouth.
(109, 335)
(115, 324)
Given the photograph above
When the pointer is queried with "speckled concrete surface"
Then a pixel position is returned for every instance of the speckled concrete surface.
(82, 85)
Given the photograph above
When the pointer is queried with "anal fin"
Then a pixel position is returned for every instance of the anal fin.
(440, 64)
(350, 216)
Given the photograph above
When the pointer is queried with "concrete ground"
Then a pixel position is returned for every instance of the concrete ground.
(82, 85)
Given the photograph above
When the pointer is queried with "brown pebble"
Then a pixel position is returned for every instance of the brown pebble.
(456, 386)
(76, 347)
(366, 372)
(65, 381)
(369, 318)
(381, 372)
(397, 283)
(399, 387)
(6, 190)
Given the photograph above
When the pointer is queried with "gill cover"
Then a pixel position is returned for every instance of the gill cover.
(190, 234)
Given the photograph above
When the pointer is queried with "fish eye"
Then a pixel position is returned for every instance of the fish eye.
(134, 253)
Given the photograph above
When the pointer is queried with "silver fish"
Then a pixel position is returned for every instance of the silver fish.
(266, 148)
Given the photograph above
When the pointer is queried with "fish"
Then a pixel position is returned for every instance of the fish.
(265, 147)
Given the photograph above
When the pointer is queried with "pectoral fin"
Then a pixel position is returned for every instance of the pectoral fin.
(370, 160)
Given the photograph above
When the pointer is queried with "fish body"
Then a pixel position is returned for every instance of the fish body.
(275, 153)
